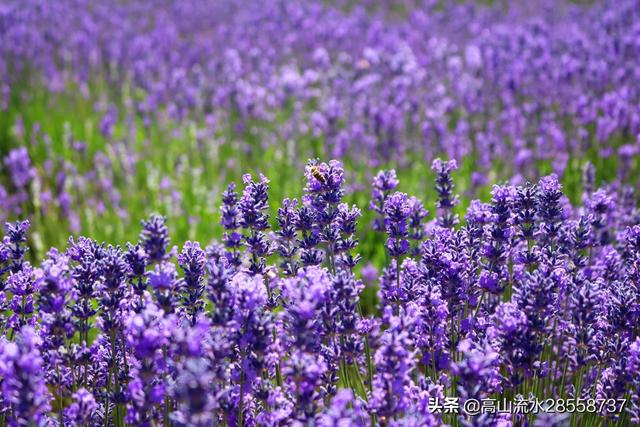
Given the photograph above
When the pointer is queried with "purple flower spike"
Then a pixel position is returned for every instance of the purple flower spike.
(24, 392)
(383, 184)
(254, 219)
(446, 198)
(154, 237)
(83, 410)
(230, 220)
(192, 260)
(397, 211)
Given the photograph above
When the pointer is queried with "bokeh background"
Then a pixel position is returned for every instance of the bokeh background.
(112, 110)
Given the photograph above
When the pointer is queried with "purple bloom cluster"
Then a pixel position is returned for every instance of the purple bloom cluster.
(528, 297)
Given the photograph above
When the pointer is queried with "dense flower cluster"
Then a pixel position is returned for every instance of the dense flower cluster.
(525, 296)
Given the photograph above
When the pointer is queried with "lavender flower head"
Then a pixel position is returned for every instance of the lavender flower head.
(23, 385)
(193, 392)
(154, 237)
(253, 203)
(253, 218)
(192, 261)
(416, 229)
(230, 220)
(395, 362)
(323, 194)
(549, 209)
(13, 247)
(397, 212)
(324, 184)
(20, 168)
(304, 297)
(287, 236)
(345, 409)
(146, 335)
(478, 370)
(165, 283)
(498, 242)
(383, 184)
(446, 198)
(306, 371)
(83, 410)
(23, 287)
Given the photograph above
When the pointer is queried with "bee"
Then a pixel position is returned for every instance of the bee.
(317, 174)
(363, 64)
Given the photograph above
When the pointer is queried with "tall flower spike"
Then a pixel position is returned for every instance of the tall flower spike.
(430, 333)
(146, 335)
(192, 392)
(56, 325)
(383, 184)
(588, 180)
(323, 194)
(525, 211)
(304, 297)
(397, 211)
(600, 205)
(229, 218)
(549, 209)
(444, 186)
(309, 239)
(192, 260)
(137, 259)
(165, 283)
(23, 386)
(83, 410)
(112, 270)
(288, 237)
(305, 372)
(346, 222)
(254, 219)
(14, 248)
(154, 237)
(477, 371)
(345, 409)
(218, 291)
(394, 362)
(498, 242)
(254, 334)
(416, 231)
(86, 275)
(344, 295)
(22, 286)
(518, 346)
(20, 168)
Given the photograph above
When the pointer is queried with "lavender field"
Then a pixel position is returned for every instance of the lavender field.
(319, 213)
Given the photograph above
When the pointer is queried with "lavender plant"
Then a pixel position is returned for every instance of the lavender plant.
(525, 299)
(114, 111)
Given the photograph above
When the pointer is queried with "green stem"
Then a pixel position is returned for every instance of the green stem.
(475, 312)
(344, 366)
(106, 406)
(367, 352)
(241, 401)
